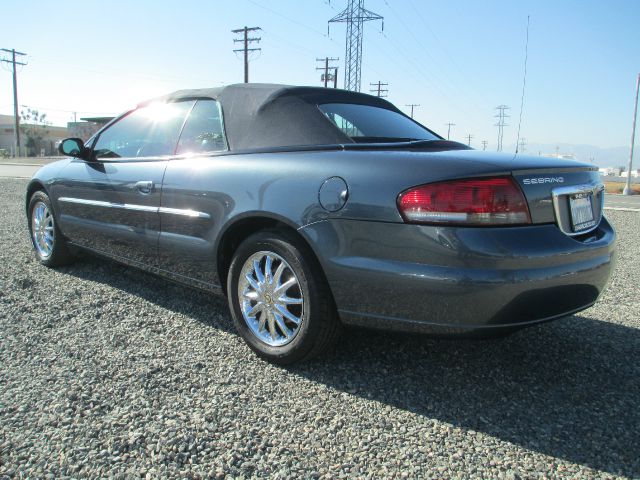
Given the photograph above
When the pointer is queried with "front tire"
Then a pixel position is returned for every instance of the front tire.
(48, 243)
(279, 299)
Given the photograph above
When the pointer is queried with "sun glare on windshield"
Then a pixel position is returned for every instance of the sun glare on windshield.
(159, 111)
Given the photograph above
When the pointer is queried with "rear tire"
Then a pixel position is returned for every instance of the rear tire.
(48, 243)
(279, 299)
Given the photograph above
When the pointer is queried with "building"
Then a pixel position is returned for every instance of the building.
(563, 156)
(634, 173)
(45, 138)
(35, 140)
(610, 171)
(87, 127)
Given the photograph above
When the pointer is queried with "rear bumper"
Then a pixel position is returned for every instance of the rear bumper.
(458, 280)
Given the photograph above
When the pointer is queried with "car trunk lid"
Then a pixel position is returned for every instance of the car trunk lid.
(571, 197)
(562, 191)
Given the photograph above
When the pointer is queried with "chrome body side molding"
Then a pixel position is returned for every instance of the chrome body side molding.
(137, 208)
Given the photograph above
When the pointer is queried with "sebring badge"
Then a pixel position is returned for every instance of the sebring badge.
(540, 180)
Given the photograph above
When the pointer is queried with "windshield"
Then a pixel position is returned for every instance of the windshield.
(366, 123)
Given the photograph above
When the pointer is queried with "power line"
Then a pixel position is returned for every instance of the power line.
(283, 42)
(439, 76)
(16, 118)
(114, 72)
(463, 88)
(449, 125)
(501, 116)
(354, 16)
(378, 90)
(420, 74)
(326, 76)
(246, 41)
(412, 105)
(68, 111)
(291, 20)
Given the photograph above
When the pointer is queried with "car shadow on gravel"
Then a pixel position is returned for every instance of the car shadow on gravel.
(200, 305)
(569, 389)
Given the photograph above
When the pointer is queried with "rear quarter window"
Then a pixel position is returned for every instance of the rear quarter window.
(204, 129)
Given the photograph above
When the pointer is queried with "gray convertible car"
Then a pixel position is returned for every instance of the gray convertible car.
(311, 208)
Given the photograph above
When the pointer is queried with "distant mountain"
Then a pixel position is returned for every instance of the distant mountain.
(602, 157)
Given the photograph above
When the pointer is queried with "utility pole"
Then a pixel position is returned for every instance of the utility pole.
(354, 16)
(326, 76)
(484, 144)
(412, 105)
(469, 137)
(246, 40)
(627, 189)
(335, 77)
(501, 116)
(16, 118)
(378, 90)
(523, 143)
(449, 125)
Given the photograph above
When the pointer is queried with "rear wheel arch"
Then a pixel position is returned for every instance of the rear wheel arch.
(283, 321)
(243, 228)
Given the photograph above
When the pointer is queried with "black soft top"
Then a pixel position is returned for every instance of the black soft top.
(261, 115)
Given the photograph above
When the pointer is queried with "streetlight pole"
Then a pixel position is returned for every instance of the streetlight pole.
(627, 189)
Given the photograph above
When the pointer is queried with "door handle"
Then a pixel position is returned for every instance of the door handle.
(144, 186)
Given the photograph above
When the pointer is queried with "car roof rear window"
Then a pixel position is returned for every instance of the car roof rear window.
(367, 123)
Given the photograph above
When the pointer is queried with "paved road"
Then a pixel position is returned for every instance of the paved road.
(17, 171)
(615, 202)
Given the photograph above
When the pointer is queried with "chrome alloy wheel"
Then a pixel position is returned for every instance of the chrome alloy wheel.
(42, 229)
(271, 299)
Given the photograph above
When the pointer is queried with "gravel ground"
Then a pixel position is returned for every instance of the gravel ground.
(109, 372)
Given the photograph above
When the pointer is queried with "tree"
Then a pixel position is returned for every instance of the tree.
(33, 126)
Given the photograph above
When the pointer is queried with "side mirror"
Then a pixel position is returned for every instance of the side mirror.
(73, 147)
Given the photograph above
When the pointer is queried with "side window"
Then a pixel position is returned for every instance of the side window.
(203, 130)
(145, 132)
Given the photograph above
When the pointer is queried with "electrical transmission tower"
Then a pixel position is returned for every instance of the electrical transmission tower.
(484, 144)
(246, 41)
(523, 143)
(16, 118)
(469, 137)
(354, 16)
(449, 125)
(412, 105)
(326, 76)
(502, 117)
(378, 90)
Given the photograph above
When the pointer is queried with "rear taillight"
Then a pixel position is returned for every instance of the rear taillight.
(482, 201)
